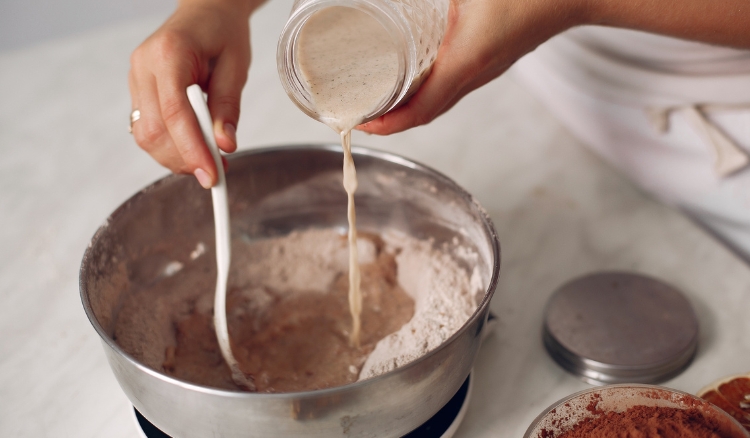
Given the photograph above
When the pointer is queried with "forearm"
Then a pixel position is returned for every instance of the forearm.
(722, 22)
(485, 37)
(241, 7)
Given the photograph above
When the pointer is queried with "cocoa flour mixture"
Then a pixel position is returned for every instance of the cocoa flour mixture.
(288, 311)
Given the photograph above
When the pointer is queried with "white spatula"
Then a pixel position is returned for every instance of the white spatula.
(223, 248)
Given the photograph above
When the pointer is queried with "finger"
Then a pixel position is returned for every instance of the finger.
(439, 89)
(224, 95)
(182, 125)
(149, 131)
(475, 83)
(447, 79)
(133, 87)
(433, 102)
(466, 59)
(422, 108)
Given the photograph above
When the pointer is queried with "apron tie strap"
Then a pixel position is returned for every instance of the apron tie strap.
(728, 156)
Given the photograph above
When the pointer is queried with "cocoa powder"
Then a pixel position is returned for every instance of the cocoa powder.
(652, 422)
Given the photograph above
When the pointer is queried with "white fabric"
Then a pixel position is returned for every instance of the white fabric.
(671, 114)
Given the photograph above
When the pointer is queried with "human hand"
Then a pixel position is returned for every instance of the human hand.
(482, 40)
(205, 42)
(485, 37)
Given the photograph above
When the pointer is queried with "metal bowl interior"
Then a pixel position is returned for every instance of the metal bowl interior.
(566, 413)
(273, 191)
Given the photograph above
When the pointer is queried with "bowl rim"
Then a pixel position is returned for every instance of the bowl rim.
(567, 398)
(328, 147)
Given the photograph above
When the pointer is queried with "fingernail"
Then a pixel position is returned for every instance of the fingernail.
(231, 132)
(203, 178)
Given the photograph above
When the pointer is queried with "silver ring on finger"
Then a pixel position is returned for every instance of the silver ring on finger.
(134, 116)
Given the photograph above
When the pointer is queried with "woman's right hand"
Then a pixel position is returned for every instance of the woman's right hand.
(205, 42)
(485, 37)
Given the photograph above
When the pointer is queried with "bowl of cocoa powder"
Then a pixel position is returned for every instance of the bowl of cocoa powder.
(631, 410)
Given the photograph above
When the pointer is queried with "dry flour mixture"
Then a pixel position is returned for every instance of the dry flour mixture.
(288, 313)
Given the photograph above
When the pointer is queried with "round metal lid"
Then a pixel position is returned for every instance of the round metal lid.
(619, 327)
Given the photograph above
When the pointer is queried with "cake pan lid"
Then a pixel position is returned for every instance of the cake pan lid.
(620, 327)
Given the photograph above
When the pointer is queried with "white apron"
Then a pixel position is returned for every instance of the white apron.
(673, 115)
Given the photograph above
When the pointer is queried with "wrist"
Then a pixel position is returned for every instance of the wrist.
(242, 8)
(576, 13)
(543, 19)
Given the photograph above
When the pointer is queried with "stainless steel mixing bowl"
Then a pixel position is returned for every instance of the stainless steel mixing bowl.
(273, 191)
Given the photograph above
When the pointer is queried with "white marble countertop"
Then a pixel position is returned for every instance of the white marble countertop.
(66, 161)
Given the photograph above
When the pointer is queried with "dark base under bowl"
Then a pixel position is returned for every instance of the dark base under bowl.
(435, 427)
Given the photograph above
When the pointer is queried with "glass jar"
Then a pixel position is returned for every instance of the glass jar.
(416, 26)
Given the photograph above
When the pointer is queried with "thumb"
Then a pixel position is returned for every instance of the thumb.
(437, 91)
(450, 73)
(224, 95)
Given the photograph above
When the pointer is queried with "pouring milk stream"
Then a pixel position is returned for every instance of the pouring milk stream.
(349, 63)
